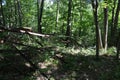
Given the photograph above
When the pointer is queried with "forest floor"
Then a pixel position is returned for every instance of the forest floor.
(59, 66)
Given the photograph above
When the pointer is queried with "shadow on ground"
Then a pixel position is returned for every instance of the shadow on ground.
(69, 67)
(79, 67)
(13, 67)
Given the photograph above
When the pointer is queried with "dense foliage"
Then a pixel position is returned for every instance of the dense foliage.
(58, 39)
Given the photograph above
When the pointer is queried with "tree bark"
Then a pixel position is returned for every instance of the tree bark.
(40, 6)
(112, 23)
(116, 24)
(105, 26)
(23, 31)
(15, 7)
(100, 38)
(117, 43)
(57, 15)
(118, 46)
(2, 14)
(80, 13)
(95, 12)
(68, 31)
(19, 13)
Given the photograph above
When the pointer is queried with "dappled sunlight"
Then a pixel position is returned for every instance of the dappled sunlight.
(61, 65)
(59, 40)
(81, 67)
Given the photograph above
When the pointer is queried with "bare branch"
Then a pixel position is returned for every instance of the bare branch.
(23, 31)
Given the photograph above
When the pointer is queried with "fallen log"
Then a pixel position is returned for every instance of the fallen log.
(23, 31)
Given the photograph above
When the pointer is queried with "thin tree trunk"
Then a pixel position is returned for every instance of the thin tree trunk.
(68, 31)
(105, 27)
(116, 24)
(62, 28)
(2, 14)
(100, 39)
(40, 6)
(80, 13)
(19, 13)
(15, 2)
(95, 8)
(112, 23)
(117, 43)
(118, 46)
(57, 15)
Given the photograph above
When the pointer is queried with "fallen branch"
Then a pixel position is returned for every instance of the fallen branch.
(23, 31)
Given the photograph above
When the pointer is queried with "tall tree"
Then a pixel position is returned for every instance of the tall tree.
(68, 31)
(116, 24)
(57, 14)
(95, 12)
(116, 36)
(40, 6)
(105, 25)
(112, 22)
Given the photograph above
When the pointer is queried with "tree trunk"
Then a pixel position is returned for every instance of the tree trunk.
(15, 24)
(95, 12)
(112, 23)
(68, 31)
(40, 6)
(2, 14)
(57, 15)
(80, 13)
(116, 24)
(105, 27)
(19, 13)
(118, 46)
(117, 43)
(100, 38)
